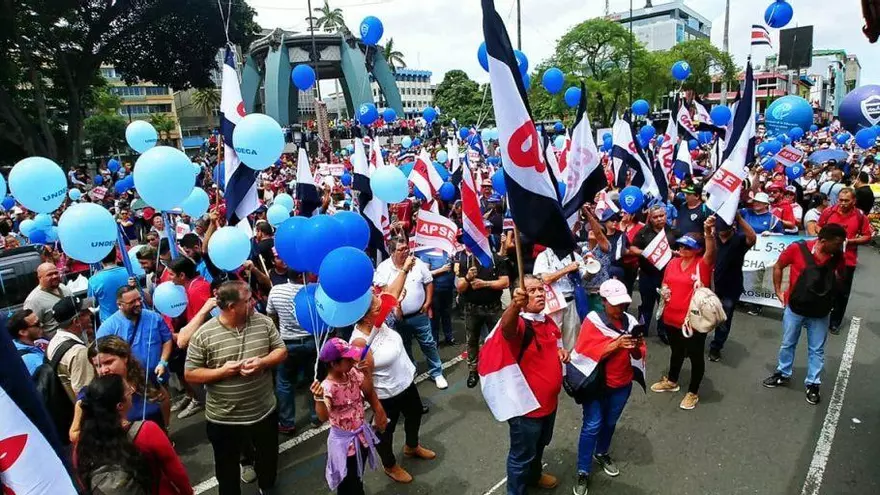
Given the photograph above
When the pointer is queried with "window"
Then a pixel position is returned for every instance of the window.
(156, 91)
(109, 72)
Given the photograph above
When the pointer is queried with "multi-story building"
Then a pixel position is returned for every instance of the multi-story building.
(660, 27)
(143, 100)
(832, 74)
(416, 93)
(769, 85)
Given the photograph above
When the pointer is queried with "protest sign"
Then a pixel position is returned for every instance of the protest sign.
(758, 269)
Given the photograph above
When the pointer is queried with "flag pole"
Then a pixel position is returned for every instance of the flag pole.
(519, 257)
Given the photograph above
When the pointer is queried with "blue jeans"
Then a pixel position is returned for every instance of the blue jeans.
(600, 419)
(528, 437)
(419, 325)
(300, 354)
(728, 304)
(817, 332)
(441, 305)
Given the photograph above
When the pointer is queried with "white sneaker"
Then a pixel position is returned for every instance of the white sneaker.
(441, 382)
(248, 475)
(181, 403)
(192, 408)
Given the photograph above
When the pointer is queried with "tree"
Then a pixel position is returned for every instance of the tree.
(330, 20)
(706, 61)
(53, 51)
(393, 57)
(104, 130)
(459, 97)
(206, 99)
(164, 125)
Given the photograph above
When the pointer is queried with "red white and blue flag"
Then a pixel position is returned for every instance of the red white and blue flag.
(584, 177)
(241, 180)
(594, 339)
(374, 210)
(474, 235)
(504, 387)
(627, 154)
(306, 190)
(424, 176)
(531, 188)
(666, 155)
(760, 36)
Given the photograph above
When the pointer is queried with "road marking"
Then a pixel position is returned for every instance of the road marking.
(313, 432)
(502, 482)
(829, 427)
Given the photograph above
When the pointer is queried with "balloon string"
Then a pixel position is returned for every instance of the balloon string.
(224, 18)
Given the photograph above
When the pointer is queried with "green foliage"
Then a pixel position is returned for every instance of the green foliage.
(393, 57)
(330, 20)
(164, 125)
(705, 59)
(459, 97)
(105, 132)
(206, 100)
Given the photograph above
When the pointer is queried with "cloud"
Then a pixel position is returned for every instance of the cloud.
(441, 35)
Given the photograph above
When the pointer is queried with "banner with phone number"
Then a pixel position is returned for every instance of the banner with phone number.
(758, 269)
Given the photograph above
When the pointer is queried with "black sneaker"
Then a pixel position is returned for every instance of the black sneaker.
(607, 464)
(813, 396)
(664, 337)
(714, 355)
(580, 488)
(775, 380)
(473, 379)
(451, 341)
(834, 330)
(755, 310)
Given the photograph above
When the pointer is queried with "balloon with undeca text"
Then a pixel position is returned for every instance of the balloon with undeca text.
(258, 140)
(170, 299)
(141, 136)
(38, 184)
(87, 232)
(163, 177)
(229, 248)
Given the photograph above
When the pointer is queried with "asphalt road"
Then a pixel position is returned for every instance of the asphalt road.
(741, 439)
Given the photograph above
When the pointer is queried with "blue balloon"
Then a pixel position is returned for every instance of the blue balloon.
(442, 157)
(572, 96)
(52, 236)
(43, 221)
(141, 136)
(607, 137)
(498, 183)
(464, 132)
(170, 299)
(74, 194)
(355, 229)
(483, 56)
(27, 226)
(680, 170)
(303, 77)
(113, 165)
(371, 30)
(38, 237)
(693, 144)
(349, 148)
(197, 203)
(795, 171)
(345, 179)
(367, 114)
(39, 184)
(778, 14)
(787, 112)
(163, 177)
(558, 127)
(647, 132)
(660, 140)
(681, 70)
(860, 108)
(631, 199)
(521, 61)
(258, 140)
(389, 115)
(284, 200)
(842, 138)
(389, 184)
(705, 137)
(346, 274)
(774, 146)
(307, 312)
(641, 107)
(276, 214)
(796, 133)
(866, 138)
(561, 187)
(559, 142)
(720, 115)
(768, 164)
(8, 203)
(87, 232)
(447, 191)
(416, 142)
(99, 180)
(429, 114)
(761, 149)
(229, 248)
(338, 314)
(122, 186)
(814, 127)
(527, 81)
(553, 80)
(286, 236)
(320, 235)
(406, 142)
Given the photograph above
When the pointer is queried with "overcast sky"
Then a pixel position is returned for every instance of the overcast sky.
(441, 35)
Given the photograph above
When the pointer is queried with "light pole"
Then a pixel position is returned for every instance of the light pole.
(311, 20)
(726, 47)
(630, 51)
(518, 25)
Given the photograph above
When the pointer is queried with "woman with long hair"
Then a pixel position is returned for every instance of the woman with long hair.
(114, 451)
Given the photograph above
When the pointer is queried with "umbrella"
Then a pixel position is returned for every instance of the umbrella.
(823, 156)
(406, 168)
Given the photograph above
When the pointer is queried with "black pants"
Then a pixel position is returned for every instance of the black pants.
(228, 441)
(648, 285)
(409, 403)
(685, 348)
(475, 317)
(842, 297)
(352, 484)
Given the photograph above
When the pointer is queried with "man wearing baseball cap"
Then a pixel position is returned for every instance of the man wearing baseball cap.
(781, 208)
(693, 213)
(760, 217)
(68, 347)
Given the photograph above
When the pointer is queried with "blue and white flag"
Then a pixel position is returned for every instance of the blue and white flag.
(373, 209)
(628, 154)
(306, 190)
(241, 180)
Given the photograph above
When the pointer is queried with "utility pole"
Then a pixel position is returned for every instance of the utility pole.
(311, 20)
(726, 47)
(518, 25)
(607, 8)
(630, 51)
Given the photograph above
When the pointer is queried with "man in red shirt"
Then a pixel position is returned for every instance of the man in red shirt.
(827, 248)
(858, 231)
(780, 207)
(524, 324)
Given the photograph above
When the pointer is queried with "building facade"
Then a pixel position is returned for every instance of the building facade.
(663, 26)
(832, 74)
(416, 92)
(144, 100)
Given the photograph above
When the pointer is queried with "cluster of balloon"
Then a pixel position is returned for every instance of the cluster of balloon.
(572, 96)
(778, 14)
(553, 80)
(681, 70)
(720, 115)
(303, 77)
(258, 140)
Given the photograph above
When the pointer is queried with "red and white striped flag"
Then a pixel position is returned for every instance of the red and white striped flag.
(504, 387)
(760, 35)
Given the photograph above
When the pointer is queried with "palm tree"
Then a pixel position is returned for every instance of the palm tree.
(206, 99)
(164, 125)
(330, 19)
(394, 58)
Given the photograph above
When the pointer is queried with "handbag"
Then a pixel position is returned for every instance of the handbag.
(705, 311)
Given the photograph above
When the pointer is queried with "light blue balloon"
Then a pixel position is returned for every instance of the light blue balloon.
(338, 314)
(170, 299)
(389, 184)
(38, 183)
(52, 236)
(276, 214)
(228, 248)
(27, 226)
(197, 169)
(258, 140)
(136, 267)
(141, 135)
(43, 221)
(2, 187)
(197, 203)
(284, 200)
(559, 142)
(74, 194)
(406, 142)
(163, 177)
(87, 232)
(442, 156)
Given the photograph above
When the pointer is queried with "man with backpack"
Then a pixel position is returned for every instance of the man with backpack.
(25, 329)
(68, 346)
(816, 269)
(858, 231)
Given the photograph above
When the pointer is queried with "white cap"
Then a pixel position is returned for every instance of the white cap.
(614, 292)
(761, 197)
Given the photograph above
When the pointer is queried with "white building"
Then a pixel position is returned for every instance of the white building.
(661, 27)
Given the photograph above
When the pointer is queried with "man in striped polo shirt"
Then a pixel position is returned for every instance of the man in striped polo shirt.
(233, 354)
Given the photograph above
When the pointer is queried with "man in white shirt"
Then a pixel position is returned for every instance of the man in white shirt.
(555, 273)
(415, 305)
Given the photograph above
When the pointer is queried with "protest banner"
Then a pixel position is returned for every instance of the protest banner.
(553, 300)
(436, 231)
(658, 251)
(758, 269)
(789, 155)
